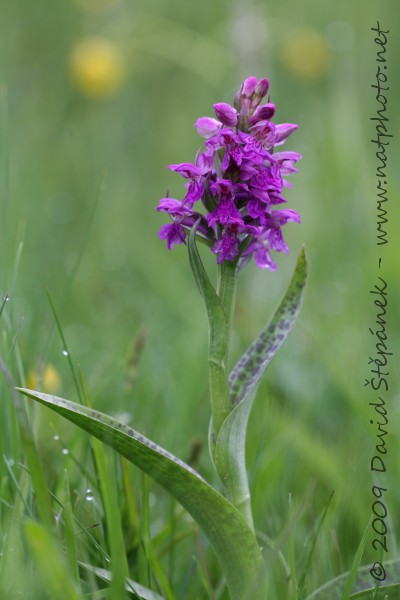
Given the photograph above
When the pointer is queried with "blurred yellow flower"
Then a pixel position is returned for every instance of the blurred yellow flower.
(306, 54)
(46, 378)
(96, 67)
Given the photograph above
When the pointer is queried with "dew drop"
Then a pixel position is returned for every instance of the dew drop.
(65, 352)
(6, 298)
(65, 451)
(56, 437)
(89, 496)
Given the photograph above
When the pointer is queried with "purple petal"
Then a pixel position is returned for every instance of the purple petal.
(284, 216)
(266, 111)
(194, 193)
(276, 241)
(223, 188)
(226, 114)
(187, 170)
(226, 213)
(256, 208)
(207, 127)
(283, 131)
(173, 207)
(253, 230)
(276, 197)
(204, 162)
(227, 247)
(261, 194)
(174, 233)
(247, 170)
(265, 132)
(263, 258)
(287, 155)
(286, 162)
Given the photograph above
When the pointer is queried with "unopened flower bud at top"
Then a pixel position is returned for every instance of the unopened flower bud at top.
(250, 93)
(247, 100)
(248, 87)
(226, 114)
(242, 101)
(237, 101)
(259, 93)
(262, 88)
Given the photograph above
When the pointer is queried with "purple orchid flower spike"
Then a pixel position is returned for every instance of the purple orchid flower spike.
(238, 179)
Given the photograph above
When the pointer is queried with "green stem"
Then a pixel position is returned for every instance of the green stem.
(218, 391)
(230, 460)
(219, 347)
(227, 434)
(226, 290)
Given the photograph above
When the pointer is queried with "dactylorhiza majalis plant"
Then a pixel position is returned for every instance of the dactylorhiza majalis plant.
(233, 190)
(238, 182)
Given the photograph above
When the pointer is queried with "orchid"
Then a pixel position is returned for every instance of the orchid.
(233, 190)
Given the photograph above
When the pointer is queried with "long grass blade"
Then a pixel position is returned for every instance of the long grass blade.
(50, 562)
(32, 457)
(356, 564)
(70, 537)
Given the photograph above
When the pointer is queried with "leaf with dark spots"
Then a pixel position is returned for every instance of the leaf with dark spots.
(247, 373)
(232, 539)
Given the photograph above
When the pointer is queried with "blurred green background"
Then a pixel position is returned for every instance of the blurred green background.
(97, 98)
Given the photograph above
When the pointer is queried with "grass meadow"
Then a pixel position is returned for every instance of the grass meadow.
(97, 97)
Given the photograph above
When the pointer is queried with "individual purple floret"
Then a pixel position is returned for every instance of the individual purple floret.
(236, 182)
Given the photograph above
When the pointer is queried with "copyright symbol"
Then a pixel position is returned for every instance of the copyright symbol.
(378, 572)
